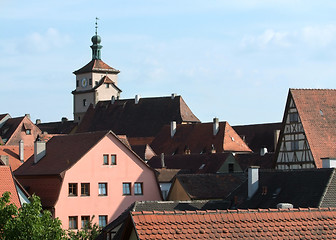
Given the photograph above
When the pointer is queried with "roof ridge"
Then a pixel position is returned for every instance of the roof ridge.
(318, 89)
(230, 211)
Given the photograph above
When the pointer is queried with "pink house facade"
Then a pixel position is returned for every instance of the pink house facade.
(86, 175)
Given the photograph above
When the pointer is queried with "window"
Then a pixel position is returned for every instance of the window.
(107, 85)
(77, 83)
(138, 188)
(85, 189)
(84, 102)
(96, 83)
(126, 188)
(72, 189)
(85, 221)
(73, 222)
(113, 159)
(28, 131)
(105, 159)
(102, 220)
(293, 117)
(231, 167)
(102, 189)
(90, 81)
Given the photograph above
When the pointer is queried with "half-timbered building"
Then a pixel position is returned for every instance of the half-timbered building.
(309, 129)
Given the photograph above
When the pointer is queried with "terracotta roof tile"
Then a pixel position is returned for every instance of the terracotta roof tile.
(96, 65)
(198, 138)
(8, 185)
(317, 113)
(13, 155)
(212, 225)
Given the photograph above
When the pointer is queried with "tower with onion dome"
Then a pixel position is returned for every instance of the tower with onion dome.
(95, 82)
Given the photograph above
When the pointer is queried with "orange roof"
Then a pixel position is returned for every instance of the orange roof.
(96, 65)
(8, 185)
(316, 108)
(236, 224)
(13, 154)
(198, 138)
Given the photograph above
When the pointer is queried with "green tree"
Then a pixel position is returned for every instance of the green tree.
(28, 222)
(89, 232)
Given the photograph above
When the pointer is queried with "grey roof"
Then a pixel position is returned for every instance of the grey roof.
(302, 188)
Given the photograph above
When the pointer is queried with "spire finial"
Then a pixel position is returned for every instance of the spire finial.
(96, 25)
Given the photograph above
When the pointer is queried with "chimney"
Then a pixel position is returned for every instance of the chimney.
(4, 159)
(173, 95)
(215, 126)
(328, 162)
(38, 121)
(263, 151)
(39, 149)
(64, 119)
(163, 165)
(112, 99)
(21, 151)
(253, 180)
(27, 115)
(137, 99)
(172, 128)
(284, 205)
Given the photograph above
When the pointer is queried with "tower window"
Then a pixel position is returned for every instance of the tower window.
(84, 102)
(96, 82)
(77, 83)
(90, 81)
(107, 85)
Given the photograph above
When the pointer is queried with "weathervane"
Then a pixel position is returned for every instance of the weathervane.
(96, 25)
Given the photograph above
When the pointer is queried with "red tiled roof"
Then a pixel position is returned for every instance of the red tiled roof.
(198, 138)
(236, 224)
(316, 108)
(13, 155)
(96, 65)
(8, 185)
(73, 147)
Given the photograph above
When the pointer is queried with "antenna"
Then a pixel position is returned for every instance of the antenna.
(97, 25)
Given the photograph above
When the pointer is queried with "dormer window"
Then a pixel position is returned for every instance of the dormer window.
(28, 131)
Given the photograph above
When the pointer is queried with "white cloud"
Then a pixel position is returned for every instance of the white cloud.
(319, 36)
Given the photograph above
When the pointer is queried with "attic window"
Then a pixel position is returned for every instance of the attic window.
(28, 131)
(321, 112)
(293, 117)
(231, 167)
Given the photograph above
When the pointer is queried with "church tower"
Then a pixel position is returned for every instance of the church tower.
(95, 82)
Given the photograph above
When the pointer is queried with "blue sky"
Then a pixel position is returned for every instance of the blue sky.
(234, 60)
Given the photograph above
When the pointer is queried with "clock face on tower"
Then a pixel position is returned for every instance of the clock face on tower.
(84, 82)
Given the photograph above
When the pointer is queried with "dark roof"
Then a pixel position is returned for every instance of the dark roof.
(7, 130)
(144, 151)
(96, 65)
(196, 163)
(234, 224)
(258, 136)
(302, 188)
(198, 138)
(167, 175)
(246, 160)
(55, 161)
(316, 108)
(144, 119)
(63, 127)
(210, 186)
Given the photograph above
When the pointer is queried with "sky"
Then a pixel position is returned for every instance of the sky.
(234, 60)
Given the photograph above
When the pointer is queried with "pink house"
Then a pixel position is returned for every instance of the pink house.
(84, 175)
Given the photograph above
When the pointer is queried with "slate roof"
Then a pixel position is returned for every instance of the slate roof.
(246, 160)
(13, 155)
(8, 185)
(55, 162)
(62, 127)
(209, 186)
(144, 119)
(302, 188)
(96, 65)
(233, 224)
(195, 163)
(316, 108)
(198, 138)
(258, 136)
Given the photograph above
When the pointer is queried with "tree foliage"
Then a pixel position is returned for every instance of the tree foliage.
(31, 222)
